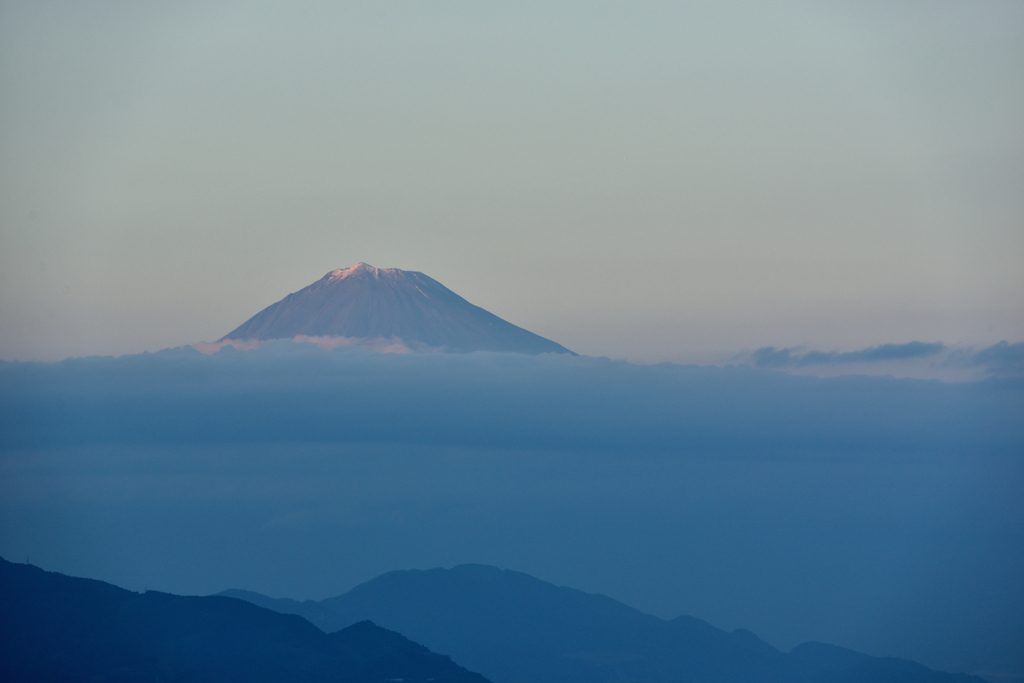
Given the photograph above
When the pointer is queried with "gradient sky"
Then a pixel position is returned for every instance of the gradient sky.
(653, 181)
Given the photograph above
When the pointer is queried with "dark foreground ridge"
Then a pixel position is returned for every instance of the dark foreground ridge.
(363, 302)
(514, 628)
(58, 628)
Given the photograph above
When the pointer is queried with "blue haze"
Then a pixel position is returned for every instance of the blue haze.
(879, 514)
(295, 392)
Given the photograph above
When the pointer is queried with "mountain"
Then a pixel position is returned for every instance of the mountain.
(514, 628)
(58, 628)
(367, 303)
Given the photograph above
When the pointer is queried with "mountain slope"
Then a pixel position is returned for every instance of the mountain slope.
(363, 302)
(516, 629)
(57, 628)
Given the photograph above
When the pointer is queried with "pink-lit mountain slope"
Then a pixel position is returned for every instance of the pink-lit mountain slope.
(363, 302)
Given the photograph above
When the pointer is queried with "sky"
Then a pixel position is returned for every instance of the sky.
(648, 181)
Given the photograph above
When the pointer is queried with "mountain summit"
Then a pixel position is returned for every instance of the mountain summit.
(363, 302)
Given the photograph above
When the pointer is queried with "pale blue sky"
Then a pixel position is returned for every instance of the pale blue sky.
(654, 181)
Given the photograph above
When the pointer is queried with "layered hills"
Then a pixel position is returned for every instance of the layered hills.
(59, 628)
(406, 307)
(514, 628)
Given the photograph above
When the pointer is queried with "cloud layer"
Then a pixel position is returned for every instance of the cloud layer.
(296, 392)
(999, 359)
(771, 357)
(877, 513)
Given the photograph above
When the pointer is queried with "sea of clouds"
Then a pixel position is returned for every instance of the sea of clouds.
(290, 392)
(876, 513)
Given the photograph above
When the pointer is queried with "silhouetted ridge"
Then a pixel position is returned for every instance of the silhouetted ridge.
(58, 628)
(363, 302)
(515, 628)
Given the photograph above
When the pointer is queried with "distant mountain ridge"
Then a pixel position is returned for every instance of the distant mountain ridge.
(514, 628)
(60, 628)
(364, 302)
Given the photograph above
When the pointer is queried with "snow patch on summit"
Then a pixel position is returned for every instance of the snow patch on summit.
(360, 267)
